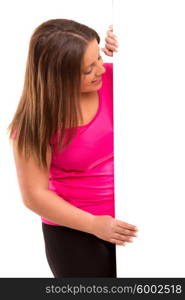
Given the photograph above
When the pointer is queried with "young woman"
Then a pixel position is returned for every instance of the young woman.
(62, 136)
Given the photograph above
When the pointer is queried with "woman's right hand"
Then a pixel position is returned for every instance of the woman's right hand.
(112, 230)
(111, 44)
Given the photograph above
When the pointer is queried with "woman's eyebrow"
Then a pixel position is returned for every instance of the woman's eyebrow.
(89, 65)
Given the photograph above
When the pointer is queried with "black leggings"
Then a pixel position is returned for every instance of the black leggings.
(74, 253)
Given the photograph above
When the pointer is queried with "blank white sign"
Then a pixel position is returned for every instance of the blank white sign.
(149, 135)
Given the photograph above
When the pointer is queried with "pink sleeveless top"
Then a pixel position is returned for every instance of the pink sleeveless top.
(83, 173)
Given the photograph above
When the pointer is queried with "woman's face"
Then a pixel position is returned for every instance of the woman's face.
(92, 68)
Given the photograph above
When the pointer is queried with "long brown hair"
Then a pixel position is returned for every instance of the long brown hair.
(50, 98)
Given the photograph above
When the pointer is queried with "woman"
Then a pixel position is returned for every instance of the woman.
(63, 148)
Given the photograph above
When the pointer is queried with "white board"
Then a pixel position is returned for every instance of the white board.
(149, 135)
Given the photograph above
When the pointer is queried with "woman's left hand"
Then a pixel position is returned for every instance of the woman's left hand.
(111, 43)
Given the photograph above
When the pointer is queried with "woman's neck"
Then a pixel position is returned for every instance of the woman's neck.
(88, 96)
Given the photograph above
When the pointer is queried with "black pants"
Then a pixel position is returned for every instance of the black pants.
(74, 253)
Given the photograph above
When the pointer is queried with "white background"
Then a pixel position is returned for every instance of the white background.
(149, 73)
(150, 135)
(22, 251)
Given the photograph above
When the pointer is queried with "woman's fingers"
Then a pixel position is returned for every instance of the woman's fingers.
(107, 52)
(110, 34)
(124, 238)
(125, 225)
(111, 41)
(126, 232)
(123, 233)
(111, 47)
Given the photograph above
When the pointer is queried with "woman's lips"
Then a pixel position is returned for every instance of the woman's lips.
(96, 81)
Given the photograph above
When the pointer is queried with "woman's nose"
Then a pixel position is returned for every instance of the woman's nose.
(100, 70)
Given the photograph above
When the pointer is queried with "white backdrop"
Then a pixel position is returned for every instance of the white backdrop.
(149, 133)
(22, 248)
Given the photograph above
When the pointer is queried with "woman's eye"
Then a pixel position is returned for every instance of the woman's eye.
(86, 73)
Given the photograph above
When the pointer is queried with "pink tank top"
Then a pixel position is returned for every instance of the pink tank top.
(83, 173)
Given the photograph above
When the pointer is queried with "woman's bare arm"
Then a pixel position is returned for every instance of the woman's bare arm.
(33, 183)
